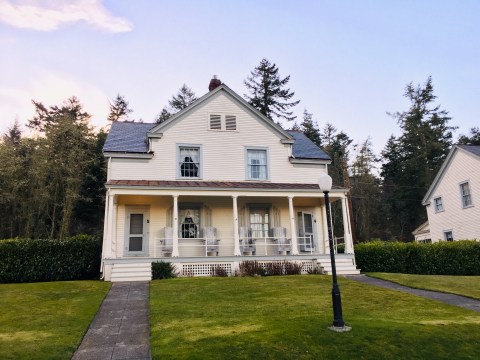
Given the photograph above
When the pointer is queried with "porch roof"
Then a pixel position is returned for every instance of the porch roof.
(215, 185)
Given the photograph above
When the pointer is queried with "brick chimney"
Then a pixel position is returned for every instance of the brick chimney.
(214, 83)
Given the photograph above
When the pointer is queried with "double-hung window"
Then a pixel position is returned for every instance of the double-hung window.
(189, 161)
(465, 194)
(438, 203)
(257, 164)
(448, 235)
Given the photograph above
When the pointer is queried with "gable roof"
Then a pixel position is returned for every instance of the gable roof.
(234, 96)
(127, 137)
(304, 148)
(472, 149)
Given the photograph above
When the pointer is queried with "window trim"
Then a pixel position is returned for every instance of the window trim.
(247, 170)
(445, 232)
(200, 160)
(435, 204)
(462, 196)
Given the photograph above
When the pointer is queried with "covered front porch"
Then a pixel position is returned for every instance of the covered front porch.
(203, 226)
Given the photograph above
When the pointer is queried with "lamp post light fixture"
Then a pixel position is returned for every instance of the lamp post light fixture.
(325, 185)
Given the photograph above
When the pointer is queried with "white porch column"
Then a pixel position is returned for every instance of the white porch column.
(347, 236)
(175, 252)
(293, 228)
(236, 237)
(326, 244)
(113, 229)
(107, 243)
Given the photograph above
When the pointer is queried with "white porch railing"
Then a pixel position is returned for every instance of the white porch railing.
(201, 247)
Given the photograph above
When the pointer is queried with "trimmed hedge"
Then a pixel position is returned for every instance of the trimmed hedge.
(27, 260)
(441, 258)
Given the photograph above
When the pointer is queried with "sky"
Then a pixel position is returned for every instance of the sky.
(349, 61)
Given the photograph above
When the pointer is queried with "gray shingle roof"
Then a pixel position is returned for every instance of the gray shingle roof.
(474, 149)
(127, 137)
(304, 148)
(130, 137)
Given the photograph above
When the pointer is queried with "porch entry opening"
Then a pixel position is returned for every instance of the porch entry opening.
(305, 231)
(136, 233)
(189, 222)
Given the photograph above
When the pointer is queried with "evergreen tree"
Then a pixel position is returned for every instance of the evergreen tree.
(119, 110)
(412, 160)
(163, 116)
(184, 97)
(268, 93)
(473, 139)
(310, 128)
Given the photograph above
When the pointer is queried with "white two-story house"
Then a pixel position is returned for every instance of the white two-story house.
(216, 184)
(452, 199)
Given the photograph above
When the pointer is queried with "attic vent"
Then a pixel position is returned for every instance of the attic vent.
(215, 122)
(230, 122)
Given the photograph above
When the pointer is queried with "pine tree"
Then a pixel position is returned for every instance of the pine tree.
(184, 97)
(119, 110)
(473, 139)
(268, 93)
(163, 116)
(310, 128)
(412, 160)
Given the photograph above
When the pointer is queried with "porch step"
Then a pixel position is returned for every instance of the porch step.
(343, 266)
(132, 272)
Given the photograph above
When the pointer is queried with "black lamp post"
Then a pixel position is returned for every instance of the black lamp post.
(325, 185)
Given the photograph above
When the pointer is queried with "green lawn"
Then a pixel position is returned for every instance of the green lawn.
(461, 285)
(287, 318)
(47, 320)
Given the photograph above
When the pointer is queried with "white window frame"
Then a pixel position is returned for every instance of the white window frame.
(435, 204)
(247, 165)
(200, 161)
(462, 195)
(223, 122)
(445, 237)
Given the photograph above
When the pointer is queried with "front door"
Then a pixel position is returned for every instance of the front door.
(305, 231)
(136, 233)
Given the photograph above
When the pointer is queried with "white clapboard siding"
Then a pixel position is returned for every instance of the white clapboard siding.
(464, 223)
(223, 152)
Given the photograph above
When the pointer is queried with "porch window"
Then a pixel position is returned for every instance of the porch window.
(189, 164)
(257, 164)
(259, 222)
(465, 193)
(448, 235)
(189, 222)
(438, 203)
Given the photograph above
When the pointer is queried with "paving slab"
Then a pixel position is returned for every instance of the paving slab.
(456, 300)
(121, 328)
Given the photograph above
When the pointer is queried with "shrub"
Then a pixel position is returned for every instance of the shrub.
(274, 268)
(441, 258)
(219, 271)
(293, 268)
(27, 260)
(251, 268)
(163, 270)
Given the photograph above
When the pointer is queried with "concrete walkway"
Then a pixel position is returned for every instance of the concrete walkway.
(121, 329)
(457, 300)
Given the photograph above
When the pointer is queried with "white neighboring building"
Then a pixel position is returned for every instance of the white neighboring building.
(216, 184)
(453, 199)
(422, 233)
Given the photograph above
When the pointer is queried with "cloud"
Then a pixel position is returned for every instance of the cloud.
(50, 15)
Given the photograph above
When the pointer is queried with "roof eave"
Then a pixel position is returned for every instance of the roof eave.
(127, 155)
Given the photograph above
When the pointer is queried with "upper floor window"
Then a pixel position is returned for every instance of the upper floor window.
(257, 164)
(448, 235)
(466, 195)
(189, 164)
(438, 203)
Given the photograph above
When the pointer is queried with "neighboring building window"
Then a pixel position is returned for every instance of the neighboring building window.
(448, 235)
(189, 161)
(465, 193)
(257, 167)
(259, 222)
(438, 204)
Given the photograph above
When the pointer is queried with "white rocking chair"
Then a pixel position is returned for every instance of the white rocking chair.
(167, 247)
(280, 238)
(210, 234)
(247, 244)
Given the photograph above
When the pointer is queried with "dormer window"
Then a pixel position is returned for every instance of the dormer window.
(221, 122)
(189, 161)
